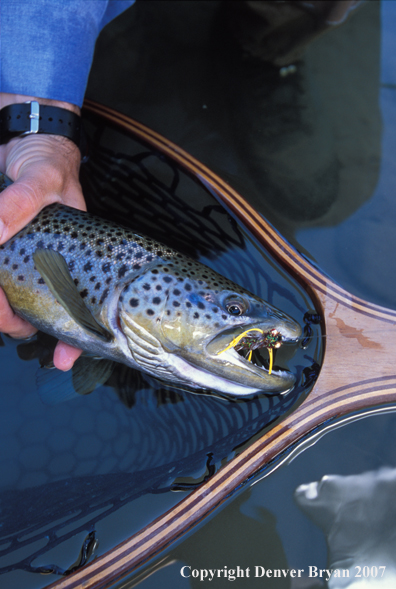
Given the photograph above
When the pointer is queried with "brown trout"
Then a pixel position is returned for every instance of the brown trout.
(125, 297)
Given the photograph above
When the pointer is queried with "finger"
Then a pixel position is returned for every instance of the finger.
(45, 171)
(65, 356)
(24, 199)
(11, 323)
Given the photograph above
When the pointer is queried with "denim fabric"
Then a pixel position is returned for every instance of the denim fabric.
(46, 46)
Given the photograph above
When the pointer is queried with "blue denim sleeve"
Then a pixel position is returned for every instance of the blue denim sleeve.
(46, 46)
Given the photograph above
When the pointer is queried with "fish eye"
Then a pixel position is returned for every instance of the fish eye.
(235, 306)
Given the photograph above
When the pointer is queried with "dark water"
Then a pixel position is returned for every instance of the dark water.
(314, 152)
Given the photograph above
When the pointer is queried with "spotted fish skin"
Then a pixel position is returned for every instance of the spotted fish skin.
(160, 308)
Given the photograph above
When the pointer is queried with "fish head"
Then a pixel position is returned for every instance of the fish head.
(190, 322)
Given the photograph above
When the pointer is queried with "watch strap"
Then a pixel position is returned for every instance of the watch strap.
(27, 118)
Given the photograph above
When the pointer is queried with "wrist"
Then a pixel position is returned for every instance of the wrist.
(21, 117)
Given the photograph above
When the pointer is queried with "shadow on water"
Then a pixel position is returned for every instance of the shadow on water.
(84, 461)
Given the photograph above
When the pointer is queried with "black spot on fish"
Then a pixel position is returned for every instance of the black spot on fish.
(40, 281)
(149, 258)
(215, 310)
(40, 244)
(155, 271)
(82, 246)
(146, 286)
(196, 315)
(176, 292)
(168, 312)
(106, 267)
(93, 300)
(158, 287)
(139, 255)
(92, 279)
(188, 304)
(134, 302)
(99, 242)
(150, 312)
(21, 278)
(87, 267)
(224, 317)
(22, 251)
(119, 256)
(97, 286)
(99, 253)
(136, 267)
(166, 269)
(187, 286)
(6, 261)
(76, 281)
(110, 248)
(156, 300)
(74, 235)
(71, 248)
(201, 305)
(71, 265)
(104, 296)
(84, 293)
(108, 280)
(168, 279)
(176, 304)
(122, 271)
(15, 266)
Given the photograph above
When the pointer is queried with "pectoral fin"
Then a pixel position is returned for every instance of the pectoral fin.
(53, 269)
(55, 386)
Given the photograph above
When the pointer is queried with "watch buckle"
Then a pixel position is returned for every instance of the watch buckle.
(34, 117)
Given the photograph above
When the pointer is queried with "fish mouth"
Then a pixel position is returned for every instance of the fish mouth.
(243, 355)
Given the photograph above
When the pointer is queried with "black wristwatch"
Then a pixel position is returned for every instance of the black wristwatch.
(27, 118)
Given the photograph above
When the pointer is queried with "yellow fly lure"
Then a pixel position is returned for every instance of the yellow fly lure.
(270, 341)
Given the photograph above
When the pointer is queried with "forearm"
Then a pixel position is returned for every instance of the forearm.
(47, 46)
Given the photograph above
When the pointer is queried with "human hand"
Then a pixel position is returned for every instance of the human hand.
(44, 169)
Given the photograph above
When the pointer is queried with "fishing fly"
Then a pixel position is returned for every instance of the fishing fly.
(269, 339)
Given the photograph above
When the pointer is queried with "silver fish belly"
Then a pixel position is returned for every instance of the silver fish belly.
(112, 292)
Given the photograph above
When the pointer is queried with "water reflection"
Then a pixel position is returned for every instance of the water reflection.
(357, 514)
